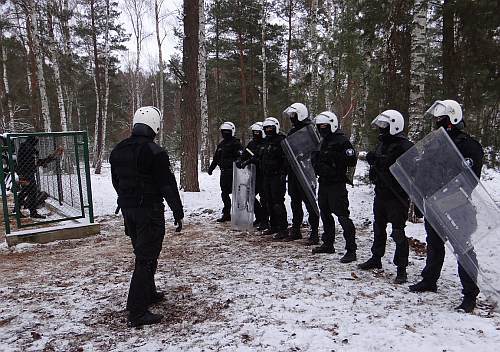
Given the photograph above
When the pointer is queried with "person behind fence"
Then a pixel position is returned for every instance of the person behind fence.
(448, 114)
(28, 162)
(142, 177)
(299, 117)
(227, 152)
(391, 202)
(251, 155)
(274, 166)
(330, 163)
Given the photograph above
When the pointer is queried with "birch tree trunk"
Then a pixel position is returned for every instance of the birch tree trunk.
(313, 43)
(417, 70)
(6, 85)
(53, 50)
(205, 147)
(160, 68)
(38, 54)
(264, 61)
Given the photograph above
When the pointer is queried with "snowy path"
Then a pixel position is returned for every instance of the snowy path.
(227, 292)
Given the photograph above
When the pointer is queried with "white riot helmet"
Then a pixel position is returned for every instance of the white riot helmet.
(328, 117)
(257, 127)
(392, 119)
(271, 121)
(298, 109)
(449, 108)
(228, 126)
(148, 115)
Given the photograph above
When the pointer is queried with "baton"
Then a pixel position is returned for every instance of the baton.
(117, 210)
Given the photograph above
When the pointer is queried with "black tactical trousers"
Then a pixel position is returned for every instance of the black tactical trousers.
(435, 259)
(226, 187)
(146, 229)
(333, 198)
(260, 207)
(298, 197)
(274, 194)
(28, 195)
(394, 211)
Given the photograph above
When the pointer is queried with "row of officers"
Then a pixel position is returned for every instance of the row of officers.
(142, 178)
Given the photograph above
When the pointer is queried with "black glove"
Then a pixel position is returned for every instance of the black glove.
(178, 223)
(417, 212)
(210, 171)
(371, 158)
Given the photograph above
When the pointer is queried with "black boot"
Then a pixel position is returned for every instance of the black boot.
(294, 235)
(324, 248)
(313, 239)
(157, 297)
(401, 276)
(224, 218)
(349, 256)
(468, 304)
(269, 232)
(281, 235)
(263, 226)
(256, 223)
(147, 318)
(372, 263)
(423, 286)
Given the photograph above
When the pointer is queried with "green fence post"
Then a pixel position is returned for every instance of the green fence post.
(87, 175)
(4, 199)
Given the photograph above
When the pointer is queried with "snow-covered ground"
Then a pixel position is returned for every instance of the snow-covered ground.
(228, 291)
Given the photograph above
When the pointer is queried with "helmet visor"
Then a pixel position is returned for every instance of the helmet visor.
(381, 121)
(436, 110)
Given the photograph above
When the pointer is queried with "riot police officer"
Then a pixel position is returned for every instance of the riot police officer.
(227, 152)
(330, 164)
(142, 178)
(252, 154)
(299, 117)
(274, 164)
(448, 114)
(391, 203)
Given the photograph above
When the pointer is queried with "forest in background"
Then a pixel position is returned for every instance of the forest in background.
(61, 67)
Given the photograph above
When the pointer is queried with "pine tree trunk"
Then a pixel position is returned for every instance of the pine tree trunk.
(264, 61)
(313, 42)
(417, 73)
(189, 119)
(6, 87)
(449, 62)
(38, 54)
(205, 146)
(57, 77)
(243, 81)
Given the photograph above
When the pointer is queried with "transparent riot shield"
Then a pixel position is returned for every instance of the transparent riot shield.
(242, 213)
(298, 149)
(455, 203)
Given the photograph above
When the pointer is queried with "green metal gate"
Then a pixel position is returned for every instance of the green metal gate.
(45, 179)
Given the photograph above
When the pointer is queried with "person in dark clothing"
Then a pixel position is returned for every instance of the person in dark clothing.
(142, 177)
(252, 154)
(299, 117)
(448, 114)
(391, 202)
(330, 164)
(27, 165)
(227, 152)
(274, 164)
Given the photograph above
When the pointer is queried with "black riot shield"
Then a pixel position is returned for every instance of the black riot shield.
(298, 148)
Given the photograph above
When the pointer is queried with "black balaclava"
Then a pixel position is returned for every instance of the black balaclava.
(270, 130)
(444, 121)
(324, 129)
(226, 134)
(294, 118)
(257, 135)
(143, 130)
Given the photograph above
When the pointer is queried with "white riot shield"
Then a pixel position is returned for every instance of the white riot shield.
(242, 213)
(443, 186)
(298, 149)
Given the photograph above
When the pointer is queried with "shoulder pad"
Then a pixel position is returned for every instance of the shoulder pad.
(155, 148)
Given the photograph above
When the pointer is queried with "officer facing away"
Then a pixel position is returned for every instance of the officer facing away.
(142, 178)
(274, 164)
(299, 117)
(330, 164)
(448, 114)
(251, 155)
(227, 152)
(391, 202)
